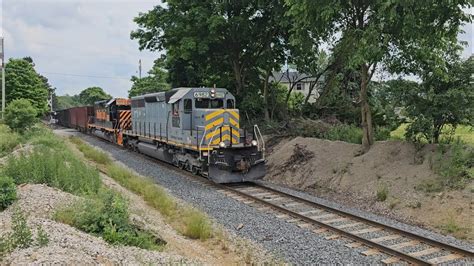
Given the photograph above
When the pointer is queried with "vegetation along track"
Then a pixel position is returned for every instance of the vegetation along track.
(378, 237)
(324, 219)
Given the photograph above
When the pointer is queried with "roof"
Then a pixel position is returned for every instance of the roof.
(179, 94)
(291, 76)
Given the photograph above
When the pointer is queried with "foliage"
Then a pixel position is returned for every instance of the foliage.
(198, 225)
(347, 133)
(22, 236)
(401, 35)
(232, 44)
(154, 82)
(23, 82)
(106, 215)
(92, 94)
(455, 163)
(8, 140)
(52, 163)
(444, 98)
(7, 192)
(91, 153)
(42, 237)
(66, 101)
(382, 193)
(20, 115)
(463, 132)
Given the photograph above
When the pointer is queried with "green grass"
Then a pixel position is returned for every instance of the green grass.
(382, 193)
(187, 220)
(463, 132)
(90, 152)
(8, 140)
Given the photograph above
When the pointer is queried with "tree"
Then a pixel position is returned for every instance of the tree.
(401, 35)
(233, 44)
(93, 94)
(154, 82)
(443, 98)
(20, 115)
(66, 101)
(22, 81)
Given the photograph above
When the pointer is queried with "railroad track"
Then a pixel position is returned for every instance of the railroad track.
(322, 219)
(378, 238)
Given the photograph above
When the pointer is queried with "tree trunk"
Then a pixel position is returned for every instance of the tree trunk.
(265, 96)
(366, 116)
(238, 77)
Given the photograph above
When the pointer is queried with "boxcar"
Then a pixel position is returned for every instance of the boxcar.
(79, 117)
(63, 117)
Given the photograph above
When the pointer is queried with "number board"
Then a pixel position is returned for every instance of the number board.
(206, 94)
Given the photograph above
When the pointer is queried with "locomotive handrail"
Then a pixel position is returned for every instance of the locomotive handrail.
(256, 130)
(202, 140)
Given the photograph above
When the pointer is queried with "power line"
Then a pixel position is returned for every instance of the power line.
(72, 75)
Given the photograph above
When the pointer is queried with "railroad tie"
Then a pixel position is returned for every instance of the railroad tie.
(424, 252)
(367, 230)
(332, 237)
(405, 244)
(310, 212)
(446, 258)
(353, 245)
(348, 225)
(385, 238)
(320, 230)
(371, 252)
(328, 215)
(390, 260)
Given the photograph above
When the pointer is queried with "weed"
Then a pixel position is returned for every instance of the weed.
(450, 226)
(382, 193)
(8, 140)
(91, 153)
(430, 186)
(22, 236)
(106, 215)
(7, 192)
(197, 225)
(42, 237)
(348, 133)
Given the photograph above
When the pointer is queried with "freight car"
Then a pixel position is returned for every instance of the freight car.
(196, 129)
(79, 117)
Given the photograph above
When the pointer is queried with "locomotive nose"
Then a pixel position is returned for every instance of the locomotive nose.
(223, 127)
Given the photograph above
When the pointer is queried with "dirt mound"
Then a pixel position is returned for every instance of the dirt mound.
(339, 171)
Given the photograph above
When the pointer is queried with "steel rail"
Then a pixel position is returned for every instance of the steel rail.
(426, 240)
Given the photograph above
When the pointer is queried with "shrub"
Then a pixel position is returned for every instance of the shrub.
(7, 192)
(382, 193)
(42, 237)
(20, 115)
(382, 133)
(21, 236)
(106, 215)
(348, 133)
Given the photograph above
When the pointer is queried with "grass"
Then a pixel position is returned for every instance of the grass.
(463, 132)
(8, 140)
(90, 152)
(188, 221)
(382, 193)
(347, 133)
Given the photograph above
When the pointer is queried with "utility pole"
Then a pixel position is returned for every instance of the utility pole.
(2, 57)
(140, 68)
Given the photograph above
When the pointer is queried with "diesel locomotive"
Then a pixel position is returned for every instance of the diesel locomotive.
(196, 129)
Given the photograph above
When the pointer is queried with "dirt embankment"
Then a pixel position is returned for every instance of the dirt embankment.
(339, 171)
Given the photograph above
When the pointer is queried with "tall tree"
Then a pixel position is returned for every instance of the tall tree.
(231, 43)
(154, 82)
(399, 34)
(22, 81)
(93, 94)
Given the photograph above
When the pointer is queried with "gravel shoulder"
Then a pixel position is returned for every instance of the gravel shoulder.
(283, 239)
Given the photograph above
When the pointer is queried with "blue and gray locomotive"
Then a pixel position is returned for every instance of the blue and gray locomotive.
(196, 129)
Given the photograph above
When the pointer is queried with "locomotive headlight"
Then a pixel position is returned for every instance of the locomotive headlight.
(222, 144)
(254, 143)
(213, 93)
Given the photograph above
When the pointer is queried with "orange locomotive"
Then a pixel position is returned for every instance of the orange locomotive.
(111, 118)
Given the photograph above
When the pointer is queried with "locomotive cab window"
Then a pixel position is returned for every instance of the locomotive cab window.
(175, 108)
(188, 105)
(230, 104)
(206, 103)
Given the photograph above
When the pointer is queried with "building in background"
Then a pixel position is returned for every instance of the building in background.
(298, 82)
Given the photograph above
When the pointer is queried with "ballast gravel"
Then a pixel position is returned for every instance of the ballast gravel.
(286, 240)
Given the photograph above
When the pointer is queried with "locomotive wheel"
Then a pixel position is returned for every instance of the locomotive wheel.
(194, 170)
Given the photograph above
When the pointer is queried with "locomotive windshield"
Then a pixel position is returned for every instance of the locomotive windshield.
(206, 103)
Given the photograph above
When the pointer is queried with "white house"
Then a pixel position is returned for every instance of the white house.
(300, 82)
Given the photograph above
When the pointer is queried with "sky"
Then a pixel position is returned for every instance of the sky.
(83, 43)
(86, 38)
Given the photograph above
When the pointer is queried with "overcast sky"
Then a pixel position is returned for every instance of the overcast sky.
(88, 38)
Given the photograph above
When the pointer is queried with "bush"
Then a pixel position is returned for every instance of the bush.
(106, 215)
(56, 168)
(348, 133)
(8, 140)
(7, 192)
(382, 133)
(20, 115)
(197, 225)
(22, 236)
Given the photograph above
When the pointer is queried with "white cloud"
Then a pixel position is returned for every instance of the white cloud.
(81, 37)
